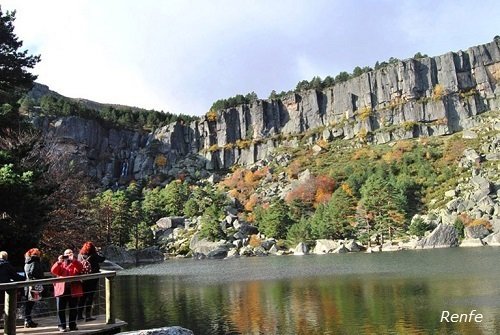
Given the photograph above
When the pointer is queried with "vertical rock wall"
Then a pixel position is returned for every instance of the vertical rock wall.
(414, 97)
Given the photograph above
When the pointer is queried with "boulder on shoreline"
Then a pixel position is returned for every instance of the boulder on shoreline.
(300, 249)
(202, 248)
(176, 330)
(444, 236)
(493, 239)
(354, 246)
(471, 242)
(121, 256)
(118, 255)
(324, 246)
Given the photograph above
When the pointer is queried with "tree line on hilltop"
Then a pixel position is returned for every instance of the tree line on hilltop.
(316, 83)
(127, 117)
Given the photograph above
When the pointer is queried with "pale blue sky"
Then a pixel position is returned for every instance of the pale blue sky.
(182, 55)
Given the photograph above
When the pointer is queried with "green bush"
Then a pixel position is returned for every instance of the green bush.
(418, 227)
(459, 226)
(274, 221)
(299, 232)
(210, 224)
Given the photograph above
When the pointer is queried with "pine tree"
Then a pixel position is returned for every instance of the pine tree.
(15, 80)
(210, 224)
(334, 219)
(22, 194)
(384, 203)
(175, 195)
(275, 221)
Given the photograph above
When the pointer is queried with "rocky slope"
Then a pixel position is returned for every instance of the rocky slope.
(472, 199)
(415, 97)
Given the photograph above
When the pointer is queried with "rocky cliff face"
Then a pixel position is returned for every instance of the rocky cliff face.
(415, 97)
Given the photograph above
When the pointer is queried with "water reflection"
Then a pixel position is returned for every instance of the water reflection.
(323, 304)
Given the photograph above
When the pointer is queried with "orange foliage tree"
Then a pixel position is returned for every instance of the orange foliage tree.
(313, 191)
(241, 184)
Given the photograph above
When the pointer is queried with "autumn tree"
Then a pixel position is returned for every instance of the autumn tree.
(70, 219)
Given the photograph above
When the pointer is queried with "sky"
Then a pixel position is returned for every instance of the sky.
(180, 56)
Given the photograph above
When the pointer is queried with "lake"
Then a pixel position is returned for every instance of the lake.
(383, 293)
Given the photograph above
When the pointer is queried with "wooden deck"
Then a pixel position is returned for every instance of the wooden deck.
(48, 326)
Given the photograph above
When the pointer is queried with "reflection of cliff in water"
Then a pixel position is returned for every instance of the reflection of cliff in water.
(402, 293)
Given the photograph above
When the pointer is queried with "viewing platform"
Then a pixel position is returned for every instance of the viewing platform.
(48, 326)
(46, 317)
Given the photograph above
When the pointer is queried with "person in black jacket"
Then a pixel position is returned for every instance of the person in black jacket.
(33, 270)
(7, 274)
(89, 254)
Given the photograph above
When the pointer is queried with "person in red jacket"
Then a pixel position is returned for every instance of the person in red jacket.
(67, 294)
(88, 254)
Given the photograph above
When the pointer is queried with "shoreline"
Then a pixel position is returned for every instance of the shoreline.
(129, 262)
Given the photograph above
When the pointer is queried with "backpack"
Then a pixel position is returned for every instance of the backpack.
(86, 267)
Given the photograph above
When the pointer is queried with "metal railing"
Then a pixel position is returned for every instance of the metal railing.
(11, 290)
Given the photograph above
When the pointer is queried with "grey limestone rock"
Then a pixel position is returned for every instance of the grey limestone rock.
(472, 242)
(381, 103)
(443, 236)
(469, 134)
(389, 246)
(170, 222)
(324, 246)
(494, 156)
(493, 239)
(274, 250)
(246, 229)
(268, 244)
(340, 250)
(175, 330)
(219, 253)
(478, 231)
(450, 194)
(118, 255)
(151, 254)
(300, 249)
(203, 248)
(353, 246)
(471, 155)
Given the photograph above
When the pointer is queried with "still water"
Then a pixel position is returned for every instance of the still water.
(384, 293)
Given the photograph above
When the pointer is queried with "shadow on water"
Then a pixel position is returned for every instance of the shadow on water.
(398, 293)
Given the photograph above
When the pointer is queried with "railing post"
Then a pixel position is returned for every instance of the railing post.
(110, 311)
(10, 311)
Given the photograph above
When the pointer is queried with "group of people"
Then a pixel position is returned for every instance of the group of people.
(77, 296)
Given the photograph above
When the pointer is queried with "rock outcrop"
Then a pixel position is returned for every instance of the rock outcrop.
(120, 256)
(444, 236)
(161, 331)
(324, 246)
(414, 97)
